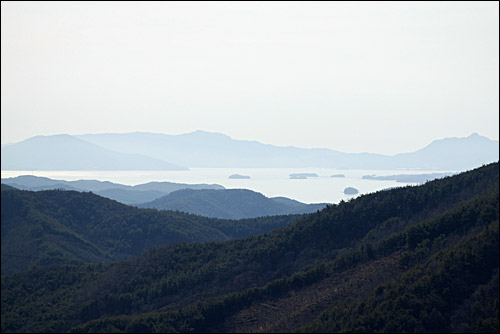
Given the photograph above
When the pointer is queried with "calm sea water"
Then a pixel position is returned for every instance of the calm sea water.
(270, 182)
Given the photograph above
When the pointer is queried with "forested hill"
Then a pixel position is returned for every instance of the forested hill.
(47, 227)
(422, 258)
(229, 203)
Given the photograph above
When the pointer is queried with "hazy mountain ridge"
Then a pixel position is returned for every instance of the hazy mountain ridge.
(205, 149)
(65, 152)
(399, 248)
(465, 153)
(229, 204)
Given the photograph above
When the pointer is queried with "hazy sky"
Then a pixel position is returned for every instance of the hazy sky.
(377, 77)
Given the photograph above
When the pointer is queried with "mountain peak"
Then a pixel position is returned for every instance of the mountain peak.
(202, 133)
(477, 136)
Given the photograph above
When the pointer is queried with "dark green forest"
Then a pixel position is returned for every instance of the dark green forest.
(412, 259)
(47, 227)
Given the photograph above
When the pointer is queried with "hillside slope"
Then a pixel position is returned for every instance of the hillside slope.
(46, 227)
(229, 204)
(328, 271)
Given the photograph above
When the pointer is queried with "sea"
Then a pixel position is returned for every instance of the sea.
(271, 182)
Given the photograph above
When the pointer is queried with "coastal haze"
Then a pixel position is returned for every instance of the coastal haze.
(270, 182)
(384, 78)
(246, 167)
(181, 87)
(306, 175)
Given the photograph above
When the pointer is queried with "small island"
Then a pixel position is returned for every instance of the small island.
(350, 191)
(302, 175)
(338, 175)
(416, 178)
(238, 176)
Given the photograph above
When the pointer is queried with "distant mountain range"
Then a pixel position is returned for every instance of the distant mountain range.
(205, 149)
(119, 192)
(65, 152)
(151, 151)
(230, 203)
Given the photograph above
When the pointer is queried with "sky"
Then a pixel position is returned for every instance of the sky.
(380, 77)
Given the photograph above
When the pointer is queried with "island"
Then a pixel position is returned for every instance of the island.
(416, 178)
(238, 176)
(302, 175)
(350, 191)
(338, 175)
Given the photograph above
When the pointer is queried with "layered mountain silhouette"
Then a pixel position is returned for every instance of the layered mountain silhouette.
(230, 203)
(151, 151)
(206, 149)
(210, 200)
(122, 193)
